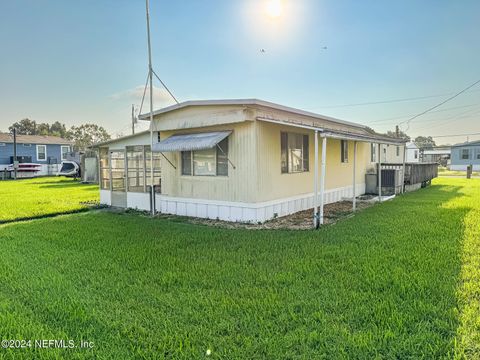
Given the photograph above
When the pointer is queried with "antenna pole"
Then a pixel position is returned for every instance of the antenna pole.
(133, 119)
(150, 73)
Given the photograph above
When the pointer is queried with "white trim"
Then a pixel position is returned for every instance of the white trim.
(61, 151)
(38, 159)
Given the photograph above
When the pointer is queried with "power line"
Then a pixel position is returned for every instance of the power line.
(385, 101)
(431, 112)
(439, 136)
(439, 104)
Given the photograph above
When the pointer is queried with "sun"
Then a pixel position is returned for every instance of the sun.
(274, 8)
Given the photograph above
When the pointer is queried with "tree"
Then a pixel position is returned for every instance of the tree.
(401, 135)
(425, 142)
(24, 127)
(58, 129)
(87, 134)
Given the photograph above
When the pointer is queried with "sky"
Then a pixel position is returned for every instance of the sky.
(85, 61)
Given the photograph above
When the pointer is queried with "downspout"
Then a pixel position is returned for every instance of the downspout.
(316, 223)
(322, 177)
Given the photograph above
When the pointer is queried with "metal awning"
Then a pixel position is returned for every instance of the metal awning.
(189, 142)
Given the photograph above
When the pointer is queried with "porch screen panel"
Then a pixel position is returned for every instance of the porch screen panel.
(157, 172)
(135, 169)
(118, 170)
(104, 169)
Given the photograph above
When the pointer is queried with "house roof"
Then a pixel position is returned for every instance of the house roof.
(471, 143)
(126, 137)
(34, 139)
(246, 102)
(361, 130)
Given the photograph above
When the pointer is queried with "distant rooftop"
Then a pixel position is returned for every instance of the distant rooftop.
(34, 139)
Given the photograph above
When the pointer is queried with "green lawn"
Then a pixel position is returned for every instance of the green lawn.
(399, 280)
(30, 198)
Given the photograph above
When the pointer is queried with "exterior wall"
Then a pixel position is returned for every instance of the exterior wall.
(140, 139)
(272, 184)
(200, 117)
(456, 157)
(476, 167)
(53, 151)
(238, 186)
(410, 155)
(391, 154)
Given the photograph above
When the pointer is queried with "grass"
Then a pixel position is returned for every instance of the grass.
(37, 197)
(399, 280)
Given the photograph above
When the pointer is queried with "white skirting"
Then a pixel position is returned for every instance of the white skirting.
(476, 167)
(248, 212)
(231, 211)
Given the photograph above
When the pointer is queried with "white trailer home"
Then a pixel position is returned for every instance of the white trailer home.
(241, 160)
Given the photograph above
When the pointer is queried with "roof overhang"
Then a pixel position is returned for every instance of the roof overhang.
(191, 142)
(334, 134)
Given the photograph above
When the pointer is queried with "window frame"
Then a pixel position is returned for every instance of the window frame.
(397, 150)
(373, 152)
(46, 156)
(216, 162)
(415, 154)
(462, 154)
(285, 163)
(61, 152)
(344, 151)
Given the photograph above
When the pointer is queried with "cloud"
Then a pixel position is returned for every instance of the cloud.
(161, 97)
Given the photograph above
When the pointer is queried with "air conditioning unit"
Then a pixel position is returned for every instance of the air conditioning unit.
(392, 182)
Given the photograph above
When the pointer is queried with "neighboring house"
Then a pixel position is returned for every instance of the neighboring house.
(412, 153)
(440, 155)
(465, 154)
(48, 151)
(239, 160)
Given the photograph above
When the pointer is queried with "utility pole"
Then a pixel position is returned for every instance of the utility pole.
(150, 73)
(15, 153)
(133, 119)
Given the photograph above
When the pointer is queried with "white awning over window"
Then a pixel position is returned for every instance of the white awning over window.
(189, 142)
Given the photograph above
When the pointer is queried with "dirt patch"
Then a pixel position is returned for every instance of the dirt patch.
(302, 220)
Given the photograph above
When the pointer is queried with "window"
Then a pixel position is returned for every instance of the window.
(41, 152)
(384, 154)
(373, 152)
(344, 150)
(398, 150)
(294, 152)
(209, 162)
(478, 154)
(104, 169)
(415, 154)
(465, 154)
(65, 151)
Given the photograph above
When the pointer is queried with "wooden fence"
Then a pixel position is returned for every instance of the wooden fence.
(415, 173)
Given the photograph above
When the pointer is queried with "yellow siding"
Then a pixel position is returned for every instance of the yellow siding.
(272, 184)
(240, 184)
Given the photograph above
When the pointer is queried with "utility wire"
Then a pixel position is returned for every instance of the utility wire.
(165, 86)
(385, 101)
(438, 105)
(431, 112)
(439, 136)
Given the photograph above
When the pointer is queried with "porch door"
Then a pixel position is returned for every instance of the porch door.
(119, 189)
